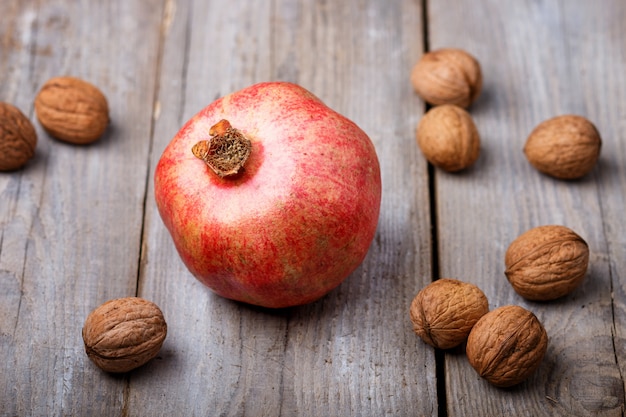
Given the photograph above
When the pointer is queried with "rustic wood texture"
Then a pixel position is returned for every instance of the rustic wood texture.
(540, 59)
(311, 360)
(71, 222)
(78, 225)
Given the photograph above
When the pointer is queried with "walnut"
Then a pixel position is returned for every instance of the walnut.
(444, 312)
(546, 262)
(507, 345)
(124, 333)
(447, 76)
(448, 138)
(72, 110)
(18, 138)
(565, 147)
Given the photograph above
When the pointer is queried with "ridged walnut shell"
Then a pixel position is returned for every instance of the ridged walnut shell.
(444, 312)
(18, 138)
(72, 110)
(124, 333)
(448, 138)
(507, 345)
(565, 147)
(546, 262)
(447, 76)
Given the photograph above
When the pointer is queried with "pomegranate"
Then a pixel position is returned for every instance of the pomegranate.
(271, 197)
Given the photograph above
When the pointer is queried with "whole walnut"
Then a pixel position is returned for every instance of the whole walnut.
(124, 333)
(18, 138)
(565, 147)
(444, 312)
(546, 262)
(447, 76)
(507, 345)
(448, 138)
(72, 110)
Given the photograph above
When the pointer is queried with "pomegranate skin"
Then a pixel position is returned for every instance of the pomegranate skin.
(296, 221)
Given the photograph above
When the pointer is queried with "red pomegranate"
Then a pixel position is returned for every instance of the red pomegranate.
(271, 197)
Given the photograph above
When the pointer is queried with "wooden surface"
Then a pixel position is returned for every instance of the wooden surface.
(78, 225)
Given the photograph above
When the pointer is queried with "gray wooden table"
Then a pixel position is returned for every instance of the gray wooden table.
(79, 226)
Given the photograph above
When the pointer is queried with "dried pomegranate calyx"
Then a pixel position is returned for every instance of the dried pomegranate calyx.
(226, 152)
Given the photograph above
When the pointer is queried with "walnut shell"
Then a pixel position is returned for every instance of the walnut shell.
(447, 76)
(565, 147)
(18, 138)
(124, 333)
(72, 110)
(546, 262)
(448, 138)
(507, 345)
(444, 312)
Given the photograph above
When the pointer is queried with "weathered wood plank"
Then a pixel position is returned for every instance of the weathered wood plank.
(71, 224)
(600, 51)
(351, 353)
(71, 220)
(18, 200)
(540, 59)
(360, 68)
(219, 358)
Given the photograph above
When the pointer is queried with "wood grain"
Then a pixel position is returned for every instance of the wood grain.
(73, 218)
(78, 225)
(351, 352)
(539, 59)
